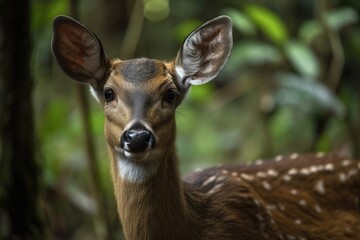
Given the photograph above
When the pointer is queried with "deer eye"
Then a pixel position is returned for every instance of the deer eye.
(170, 96)
(109, 95)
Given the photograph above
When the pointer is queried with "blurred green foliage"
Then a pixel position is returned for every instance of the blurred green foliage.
(273, 97)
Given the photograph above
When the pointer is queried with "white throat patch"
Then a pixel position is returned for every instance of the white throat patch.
(136, 172)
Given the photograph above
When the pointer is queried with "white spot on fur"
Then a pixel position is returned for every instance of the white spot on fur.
(287, 177)
(303, 202)
(281, 207)
(272, 173)
(215, 188)
(247, 177)
(345, 162)
(266, 185)
(320, 154)
(294, 156)
(305, 171)
(279, 158)
(221, 178)
(329, 167)
(234, 174)
(136, 172)
(298, 222)
(257, 203)
(294, 192)
(224, 171)
(313, 169)
(270, 207)
(320, 187)
(318, 208)
(209, 180)
(293, 171)
(259, 162)
(261, 175)
(342, 177)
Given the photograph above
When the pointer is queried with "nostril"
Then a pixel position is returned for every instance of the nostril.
(146, 136)
(137, 140)
(132, 135)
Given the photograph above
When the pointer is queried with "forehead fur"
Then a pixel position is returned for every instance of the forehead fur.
(139, 70)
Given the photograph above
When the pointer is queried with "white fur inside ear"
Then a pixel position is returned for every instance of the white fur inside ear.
(94, 94)
(205, 52)
(180, 72)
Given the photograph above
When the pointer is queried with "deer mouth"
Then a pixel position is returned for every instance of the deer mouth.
(131, 155)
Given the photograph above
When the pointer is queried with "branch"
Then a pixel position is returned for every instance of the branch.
(132, 35)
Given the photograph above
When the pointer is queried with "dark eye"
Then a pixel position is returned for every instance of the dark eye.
(170, 96)
(109, 95)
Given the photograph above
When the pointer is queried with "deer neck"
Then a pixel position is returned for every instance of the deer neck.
(156, 208)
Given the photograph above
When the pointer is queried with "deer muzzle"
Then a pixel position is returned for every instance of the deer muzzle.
(137, 139)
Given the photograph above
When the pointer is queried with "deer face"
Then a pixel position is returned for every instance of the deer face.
(140, 96)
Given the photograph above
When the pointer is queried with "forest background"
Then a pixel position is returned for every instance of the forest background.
(291, 85)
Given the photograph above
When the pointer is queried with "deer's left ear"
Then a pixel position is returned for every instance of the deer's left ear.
(204, 52)
(79, 52)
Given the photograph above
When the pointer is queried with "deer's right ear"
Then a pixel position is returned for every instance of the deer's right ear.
(204, 52)
(79, 52)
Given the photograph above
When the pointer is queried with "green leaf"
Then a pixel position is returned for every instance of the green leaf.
(303, 59)
(45, 11)
(241, 22)
(200, 94)
(156, 10)
(339, 18)
(336, 19)
(269, 23)
(309, 30)
(286, 123)
(309, 96)
(54, 118)
(254, 53)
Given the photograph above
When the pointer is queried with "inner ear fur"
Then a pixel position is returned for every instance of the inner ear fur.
(205, 52)
(79, 52)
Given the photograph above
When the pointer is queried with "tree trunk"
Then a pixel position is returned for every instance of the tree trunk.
(19, 168)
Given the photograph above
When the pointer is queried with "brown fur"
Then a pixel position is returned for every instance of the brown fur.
(166, 208)
(294, 198)
(289, 209)
(233, 205)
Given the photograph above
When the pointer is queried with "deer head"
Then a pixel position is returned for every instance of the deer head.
(140, 96)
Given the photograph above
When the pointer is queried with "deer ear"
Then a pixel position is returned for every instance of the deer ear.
(79, 52)
(204, 52)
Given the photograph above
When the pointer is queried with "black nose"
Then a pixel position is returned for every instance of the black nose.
(137, 139)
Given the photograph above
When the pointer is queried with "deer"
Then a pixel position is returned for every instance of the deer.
(292, 197)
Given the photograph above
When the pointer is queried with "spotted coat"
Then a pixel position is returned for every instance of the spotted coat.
(290, 197)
